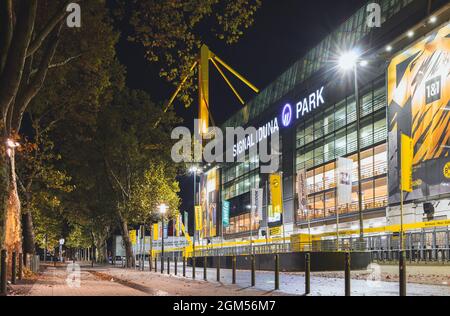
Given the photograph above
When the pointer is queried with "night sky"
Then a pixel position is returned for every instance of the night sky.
(283, 32)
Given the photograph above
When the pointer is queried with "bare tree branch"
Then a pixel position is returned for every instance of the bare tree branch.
(60, 64)
(6, 30)
(12, 72)
(49, 27)
(37, 81)
(116, 179)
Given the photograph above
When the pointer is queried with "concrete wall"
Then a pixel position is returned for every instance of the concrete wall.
(292, 262)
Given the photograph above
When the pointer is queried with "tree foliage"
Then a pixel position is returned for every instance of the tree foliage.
(172, 32)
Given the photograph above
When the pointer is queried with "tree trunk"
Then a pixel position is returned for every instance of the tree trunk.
(29, 242)
(12, 228)
(100, 245)
(126, 242)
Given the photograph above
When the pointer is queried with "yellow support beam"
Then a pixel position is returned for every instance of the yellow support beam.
(234, 72)
(227, 81)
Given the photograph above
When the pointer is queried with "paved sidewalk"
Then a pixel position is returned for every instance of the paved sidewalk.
(110, 281)
(53, 282)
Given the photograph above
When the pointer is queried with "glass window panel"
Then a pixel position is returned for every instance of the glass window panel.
(318, 154)
(366, 133)
(318, 179)
(340, 115)
(352, 144)
(329, 148)
(330, 204)
(328, 121)
(367, 164)
(351, 110)
(368, 195)
(330, 176)
(319, 206)
(341, 144)
(380, 130)
(309, 132)
(366, 104)
(380, 160)
(380, 192)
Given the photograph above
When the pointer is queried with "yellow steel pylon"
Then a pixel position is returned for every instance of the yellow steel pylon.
(204, 113)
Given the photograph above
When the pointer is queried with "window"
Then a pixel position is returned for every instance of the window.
(328, 121)
(351, 110)
(366, 104)
(352, 144)
(366, 132)
(329, 148)
(318, 126)
(340, 115)
(330, 176)
(309, 132)
(380, 130)
(330, 204)
(341, 144)
(319, 206)
(380, 160)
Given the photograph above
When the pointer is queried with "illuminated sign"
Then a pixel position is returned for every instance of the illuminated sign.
(286, 116)
(311, 103)
(304, 107)
(257, 136)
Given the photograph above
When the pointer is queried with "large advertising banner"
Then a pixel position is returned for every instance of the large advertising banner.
(276, 208)
(418, 107)
(302, 191)
(209, 198)
(344, 181)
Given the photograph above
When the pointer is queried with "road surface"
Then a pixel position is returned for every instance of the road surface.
(115, 281)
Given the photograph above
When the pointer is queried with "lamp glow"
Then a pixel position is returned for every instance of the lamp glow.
(348, 60)
(163, 209)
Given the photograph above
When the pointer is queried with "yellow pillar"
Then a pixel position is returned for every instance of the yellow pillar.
(203, 89)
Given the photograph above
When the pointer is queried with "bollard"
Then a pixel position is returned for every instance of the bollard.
(218, 269)
(162, 265)
(277, 272)
(20, 266)
(168, 265)
(347, 274)
(176, 263)
(253, 276)
(184, 266)
(156, 264)
(402, 274)
(307, 273)
(205, 268)
(13, 267)
(150, 263)
(193, 267)
(3, 273)
(233, 276)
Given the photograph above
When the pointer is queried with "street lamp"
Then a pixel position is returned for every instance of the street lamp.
(162, 211)
(349, 61)
(194, 170)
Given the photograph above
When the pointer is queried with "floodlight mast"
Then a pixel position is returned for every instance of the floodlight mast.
(204, 113)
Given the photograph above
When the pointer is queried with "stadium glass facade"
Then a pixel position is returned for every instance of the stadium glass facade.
(317, 139)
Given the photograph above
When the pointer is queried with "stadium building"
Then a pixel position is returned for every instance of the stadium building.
(403, 76)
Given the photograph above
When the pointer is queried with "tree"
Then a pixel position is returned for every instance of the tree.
(29, 35)
(35, 45)
(41, 184)
(172, 32)
(136, 157)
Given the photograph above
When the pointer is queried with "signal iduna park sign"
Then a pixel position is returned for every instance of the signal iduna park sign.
(305, 106)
